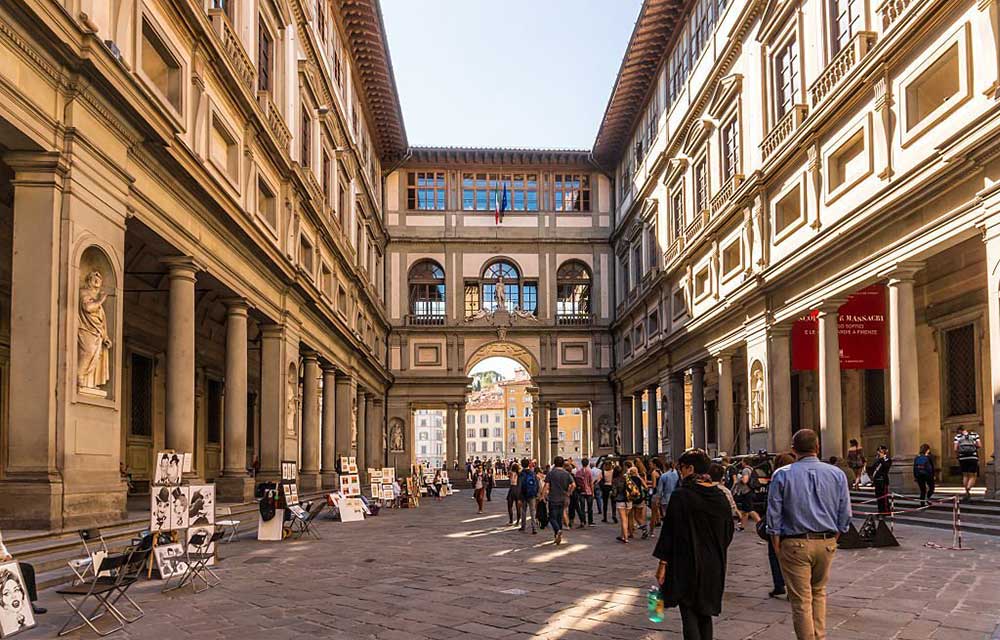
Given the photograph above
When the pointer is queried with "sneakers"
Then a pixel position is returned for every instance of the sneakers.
(776, 593)
(558, 538)
(592, 525)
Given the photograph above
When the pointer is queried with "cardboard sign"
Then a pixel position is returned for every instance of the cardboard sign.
(861, 333)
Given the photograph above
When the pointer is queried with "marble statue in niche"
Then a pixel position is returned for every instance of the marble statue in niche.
(756, 397)
(396, 444)
(93, 370)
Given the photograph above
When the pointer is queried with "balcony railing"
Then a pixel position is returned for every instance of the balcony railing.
(696, 225)
(721, 199)
(783, 129)
(573, 319)
(673, 250)
(234, 48)
(274, 120)
(425, 320)
(841, 65)
(890, 10)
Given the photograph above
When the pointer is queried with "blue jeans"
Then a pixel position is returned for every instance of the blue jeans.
(776, 577)
(556, 515)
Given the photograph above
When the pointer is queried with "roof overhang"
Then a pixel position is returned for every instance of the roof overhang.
(495, 157)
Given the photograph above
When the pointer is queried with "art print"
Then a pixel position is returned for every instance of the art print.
(179, 502)
(291, 493)
(376, 492)
(289, 471)
(351, 484)
(375, 476)
(387, 492)
(170, 560)
(187, 462)
(298, 511)
(15, 609)
(344, 463)
(205, 547)
(389, 474)
(159, 509)
(201, 509)
(352, 465)
(169, 468)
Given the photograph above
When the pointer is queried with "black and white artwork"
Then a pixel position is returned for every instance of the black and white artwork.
(207, 546)
(15, 609)
(169, 468)
(159, 509)
(289, 471)
(201, 508)
(179, 501)
(170, 560)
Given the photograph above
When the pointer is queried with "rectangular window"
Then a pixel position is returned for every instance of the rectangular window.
(425, 191)
(343, 197)
(321, 18)
(326, 281)
(266, 207)
(571, 192)
(652, 248)
(702, 283)
(213, 431)
(786, 78)
(223, 149)
(848, 163)
(960, 371)
(846, 21)
(530, 301)
(730, 150)
(265, 48)
(636, 264)
(732, 257)
(160, 66)
(472, 300)
(677, 212)
(932, 88)
(306, 138)
(342, 300)
(701, 186)
(327, 178)
(678, 303)
(141, 398)
(522, 192)
(788, 210)
(652, 324)
(480, 191)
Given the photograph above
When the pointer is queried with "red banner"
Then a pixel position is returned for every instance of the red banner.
(860, 330)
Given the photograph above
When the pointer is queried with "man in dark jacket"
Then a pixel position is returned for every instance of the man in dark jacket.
(697, 530)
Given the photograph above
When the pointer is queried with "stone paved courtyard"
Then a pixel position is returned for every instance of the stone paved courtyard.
(442, 571)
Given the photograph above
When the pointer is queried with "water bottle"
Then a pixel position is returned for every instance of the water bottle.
(655, 603)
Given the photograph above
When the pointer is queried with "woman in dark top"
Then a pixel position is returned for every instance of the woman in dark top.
(880, 479)
(923, 473)
(697, 529)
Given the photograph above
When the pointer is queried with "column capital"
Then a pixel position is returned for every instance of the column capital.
(308, 355)
(235, 305)
(697, 366)
(830, 306)
(901, 272)
(183, 267)
(328, 368)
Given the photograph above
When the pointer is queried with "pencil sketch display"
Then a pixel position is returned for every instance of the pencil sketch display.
(201, 509)
(15, 609)
(289, 471)
(169, 468)
(179, 500)
(170, 560)
(159, 509)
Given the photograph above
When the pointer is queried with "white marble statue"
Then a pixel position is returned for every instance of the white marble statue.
(396, 438)
(756, 397)
(93, 369)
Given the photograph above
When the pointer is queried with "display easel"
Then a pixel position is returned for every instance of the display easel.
(168, 476)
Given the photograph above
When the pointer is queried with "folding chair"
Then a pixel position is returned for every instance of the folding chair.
(85, 567)
(128, 575)
(303, 525)
(197, 556)
(101, 590)
(229, 525)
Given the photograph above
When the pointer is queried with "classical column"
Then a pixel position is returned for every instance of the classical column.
(726, 439)
(553, 449)
(345, 416)
(676, 426)
(637, 431)
(361, 450)
(235, 485)
(180, 355)
(450, 433)
(903, 377)
(652, 421)
(373, 433)
(587, 445)
(309, 479)
(328, 428)
(698, 405)
(779, 388)
(462, 456)
(625, 428)
(537, 421)
(991, 237)
(272, 400)
(831, 421)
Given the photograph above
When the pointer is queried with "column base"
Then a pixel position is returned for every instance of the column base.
(901, 478)
(47, 504)
(309, 481)
(328, 479)
(234, 488)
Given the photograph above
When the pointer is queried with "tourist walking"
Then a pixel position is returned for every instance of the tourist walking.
(967, 445)
(777, 580)
(585, 493)
(808, 507)
(692, 547)
(490, 481)
(880, 480)
(438, 483)
(619, 500)
(558, 487)
(527, 481)
(607, 481)
(923, 473)
(596, 479)
(856, 461)
(654, 494)
(513, 494)
(746, 482)
(666, 486)
(479, 486)
(637, 494)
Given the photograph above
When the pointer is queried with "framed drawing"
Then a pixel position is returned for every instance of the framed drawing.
(15, 609)
(170, 560)
(387, 492)
(169, 469)
(179, 500)
(159, 509)
(352, 464)
(289, 470)
(187, 462)
(201, 507)
(376, 492)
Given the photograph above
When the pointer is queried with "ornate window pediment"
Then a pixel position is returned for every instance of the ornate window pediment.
(728, 90)
(697, 135)
(675, 168)
(774, 17)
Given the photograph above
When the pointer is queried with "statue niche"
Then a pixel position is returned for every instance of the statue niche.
(94, 329)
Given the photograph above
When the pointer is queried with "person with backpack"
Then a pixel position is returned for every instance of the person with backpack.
(619, 499)
(636, 492)
(527, 482)
(923, 473)
(558, 487)
(967, 445)
(745, 484)
(880, 480)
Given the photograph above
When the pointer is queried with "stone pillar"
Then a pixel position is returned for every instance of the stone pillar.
(991, 236)
(462, 455)
(831, 419)
(652, 421)
(676, 427)
(724, 362)
(374, 432)
(272, 400)
(587, 446)
(537, 423)
(361, 450)
(328, 429)
(904, 385)
(180, 418)
(309, 479)
(625, 428)
(779, 388)
(450, 435)
(235, 485)
(637, 430)
(345, 416)
(553, 449)
(698, 405)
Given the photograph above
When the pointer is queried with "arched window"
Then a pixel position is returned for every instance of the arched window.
(573, 293)
(427, 292)
(517, 292)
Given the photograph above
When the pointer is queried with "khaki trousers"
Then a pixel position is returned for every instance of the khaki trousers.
(805, 565)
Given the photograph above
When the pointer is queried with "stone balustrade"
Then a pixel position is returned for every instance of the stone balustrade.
(841, 66)
(783, 129)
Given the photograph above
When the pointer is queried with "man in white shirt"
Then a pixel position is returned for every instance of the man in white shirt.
(596, 474)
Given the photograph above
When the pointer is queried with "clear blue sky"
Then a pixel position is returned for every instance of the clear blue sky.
(510, 73)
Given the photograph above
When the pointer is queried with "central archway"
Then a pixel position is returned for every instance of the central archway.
(504, 349)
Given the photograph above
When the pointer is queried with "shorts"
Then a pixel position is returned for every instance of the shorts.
(969, 465)
(624, 505)
(743, 503)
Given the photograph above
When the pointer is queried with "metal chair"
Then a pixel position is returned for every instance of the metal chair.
(230, 525)
(101, 590)
(128, 575)
(198, 555)
(301, 525)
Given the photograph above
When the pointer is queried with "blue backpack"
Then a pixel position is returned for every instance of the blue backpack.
(529, 484)
(922, 467)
